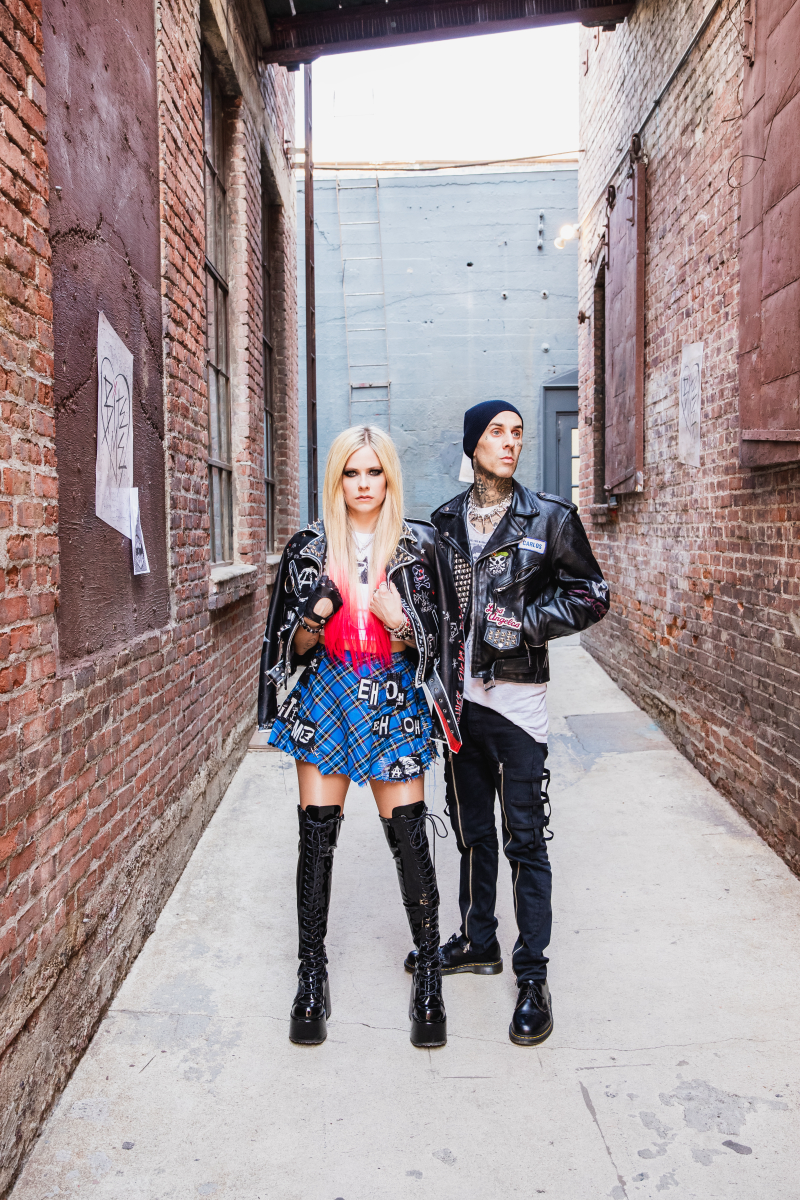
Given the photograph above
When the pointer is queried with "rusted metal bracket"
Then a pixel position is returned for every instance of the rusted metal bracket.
(749, 31)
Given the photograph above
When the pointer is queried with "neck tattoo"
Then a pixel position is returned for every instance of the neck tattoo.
(488, 501)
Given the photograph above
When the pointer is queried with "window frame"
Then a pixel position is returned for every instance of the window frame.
(219, 457)
(268, 224)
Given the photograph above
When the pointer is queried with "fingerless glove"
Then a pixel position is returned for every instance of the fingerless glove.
(324, 589)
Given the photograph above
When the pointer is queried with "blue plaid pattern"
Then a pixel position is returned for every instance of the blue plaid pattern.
(374, 726)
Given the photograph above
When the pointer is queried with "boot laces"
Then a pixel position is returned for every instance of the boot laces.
(428, 983)
(314, 959)
(533, 992)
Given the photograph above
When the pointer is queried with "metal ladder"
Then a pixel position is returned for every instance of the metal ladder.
(358, 207)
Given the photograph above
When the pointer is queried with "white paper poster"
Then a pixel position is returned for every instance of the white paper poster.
(689, 404)
(140, 564)
(114, 465)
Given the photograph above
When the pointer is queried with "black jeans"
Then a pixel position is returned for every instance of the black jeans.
(497, 756)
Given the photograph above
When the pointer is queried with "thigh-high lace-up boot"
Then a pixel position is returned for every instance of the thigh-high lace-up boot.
(407, 836)
(319, 833)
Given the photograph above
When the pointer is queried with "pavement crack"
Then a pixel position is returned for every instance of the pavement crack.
(587, 1099)
(669, 1046)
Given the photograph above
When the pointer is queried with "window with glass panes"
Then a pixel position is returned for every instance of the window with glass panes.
(267, 221)
(220, 464)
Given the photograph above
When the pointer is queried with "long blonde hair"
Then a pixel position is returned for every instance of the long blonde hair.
(338, 527)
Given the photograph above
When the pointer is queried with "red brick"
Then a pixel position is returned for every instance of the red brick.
(702, 564)
(93, 753)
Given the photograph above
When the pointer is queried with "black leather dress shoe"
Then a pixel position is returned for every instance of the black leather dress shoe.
(458, 956)
(532, 1022)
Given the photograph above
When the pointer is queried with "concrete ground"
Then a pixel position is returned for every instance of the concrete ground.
(673, 1066)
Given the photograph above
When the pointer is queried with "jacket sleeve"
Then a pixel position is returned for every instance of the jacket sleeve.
(278, 658)
(451, 635)
(271, 647)
(577, 595)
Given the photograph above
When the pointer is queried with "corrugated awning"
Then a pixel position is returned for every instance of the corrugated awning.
(302, 30)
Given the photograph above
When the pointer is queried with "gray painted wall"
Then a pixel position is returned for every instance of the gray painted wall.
(453, 340)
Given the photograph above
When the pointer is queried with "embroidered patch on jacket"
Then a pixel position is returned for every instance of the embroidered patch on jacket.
(302, 734)
(502, 631)
(533, 544)
(498, 563)
(421, 579)
(501, 639)
(407, 767)
(496, 616)
(369, 690)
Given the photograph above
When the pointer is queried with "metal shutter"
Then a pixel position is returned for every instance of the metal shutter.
(624, 422)
(769, 327)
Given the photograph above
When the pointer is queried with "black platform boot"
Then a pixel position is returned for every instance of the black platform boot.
(408, 841)
(319, 833)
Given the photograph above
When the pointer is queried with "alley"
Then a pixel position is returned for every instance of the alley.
(674, 1060)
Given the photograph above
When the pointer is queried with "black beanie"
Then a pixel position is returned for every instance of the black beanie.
(478, 418)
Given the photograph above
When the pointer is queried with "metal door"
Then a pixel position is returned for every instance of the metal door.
(567, 456)
(560, 441)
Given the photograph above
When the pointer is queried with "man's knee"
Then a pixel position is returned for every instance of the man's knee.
(471, 833)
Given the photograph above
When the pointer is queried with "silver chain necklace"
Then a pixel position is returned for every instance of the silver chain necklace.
(486, 514)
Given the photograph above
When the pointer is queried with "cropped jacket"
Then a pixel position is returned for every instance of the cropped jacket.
(535, 579)
(420, 571)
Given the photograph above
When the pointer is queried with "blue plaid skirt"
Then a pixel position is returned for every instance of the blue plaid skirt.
(374, 726)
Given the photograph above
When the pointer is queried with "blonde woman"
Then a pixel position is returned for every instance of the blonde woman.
(366, 600)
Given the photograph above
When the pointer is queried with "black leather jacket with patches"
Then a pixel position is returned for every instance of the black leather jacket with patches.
(420, 571)
(536, 579)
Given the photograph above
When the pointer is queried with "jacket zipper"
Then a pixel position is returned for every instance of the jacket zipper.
(518, 579)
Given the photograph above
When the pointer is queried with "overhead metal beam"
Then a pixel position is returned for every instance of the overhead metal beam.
(302, 38)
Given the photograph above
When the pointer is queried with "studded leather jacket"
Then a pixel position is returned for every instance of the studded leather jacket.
(535, 579)
(420, 571)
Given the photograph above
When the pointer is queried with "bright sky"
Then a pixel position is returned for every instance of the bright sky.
(505, 95)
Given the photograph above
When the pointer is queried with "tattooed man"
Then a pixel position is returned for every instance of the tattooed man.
(525, 574)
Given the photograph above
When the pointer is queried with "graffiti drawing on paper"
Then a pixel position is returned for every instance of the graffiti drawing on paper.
(114, 465)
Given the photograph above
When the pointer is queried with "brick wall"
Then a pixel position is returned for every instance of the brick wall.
(111, 767)
(704, 631)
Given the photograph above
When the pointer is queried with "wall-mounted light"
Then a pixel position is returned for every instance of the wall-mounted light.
(567, 233)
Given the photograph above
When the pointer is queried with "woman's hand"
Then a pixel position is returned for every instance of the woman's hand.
(322, 609)
(323, 601)
(386, 605)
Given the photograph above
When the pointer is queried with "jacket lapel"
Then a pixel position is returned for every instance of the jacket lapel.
(402, 556)
(455, 531)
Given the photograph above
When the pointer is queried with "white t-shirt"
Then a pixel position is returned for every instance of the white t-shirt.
(524, 704)
(363, 551)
